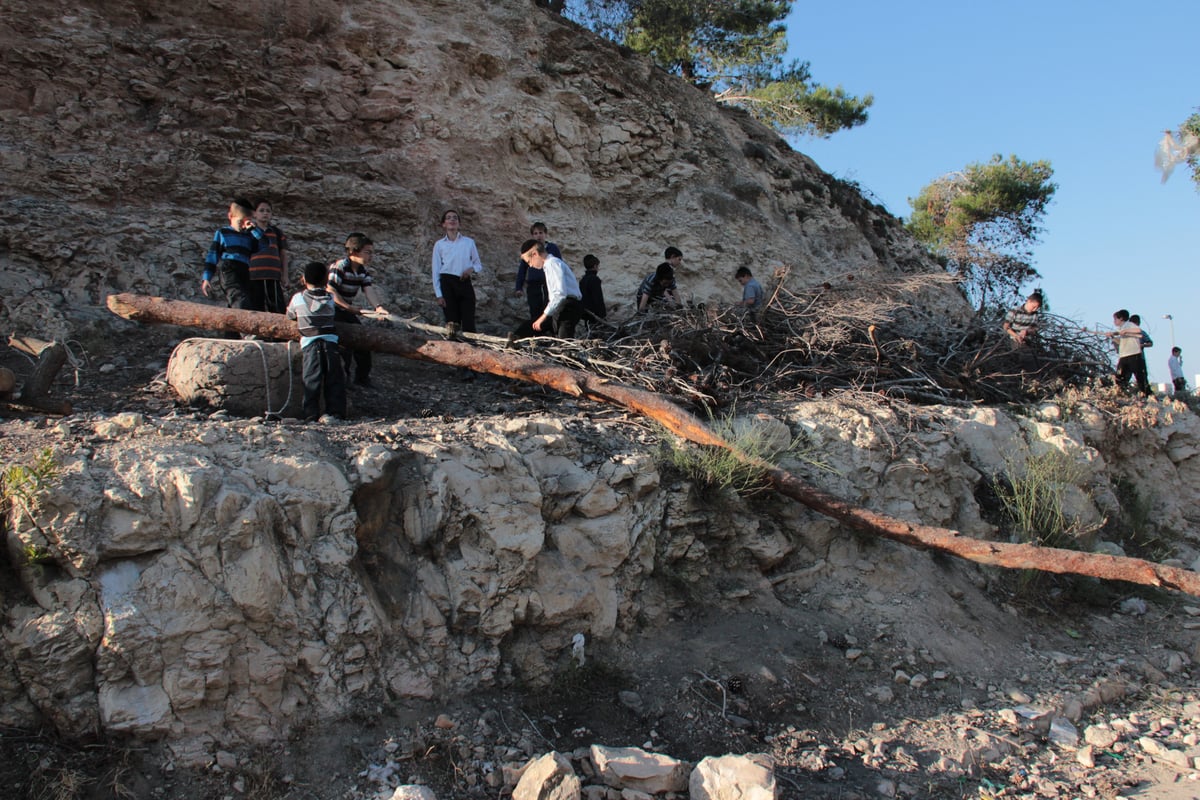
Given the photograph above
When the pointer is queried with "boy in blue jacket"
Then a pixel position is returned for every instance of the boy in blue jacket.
(229, 255)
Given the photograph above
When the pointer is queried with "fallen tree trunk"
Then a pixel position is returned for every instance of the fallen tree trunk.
(683, 424)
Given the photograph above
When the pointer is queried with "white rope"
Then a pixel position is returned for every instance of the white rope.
(78, 362)
(267, 379)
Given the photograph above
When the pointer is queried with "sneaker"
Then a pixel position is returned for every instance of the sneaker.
(330, 419)
(364, 382)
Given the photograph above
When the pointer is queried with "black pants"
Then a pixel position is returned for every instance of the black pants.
(361, 358)
(235, 280)
(1180, 385)
(569, 314)
(323, 377)
(459, 295)
(538, 296)
(1133, 367)
(1143, 374)
(267, 296)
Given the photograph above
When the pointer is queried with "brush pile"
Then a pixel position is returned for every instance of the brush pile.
(844, 335)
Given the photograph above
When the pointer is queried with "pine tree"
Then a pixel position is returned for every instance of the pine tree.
(984, 222)
(735, 49)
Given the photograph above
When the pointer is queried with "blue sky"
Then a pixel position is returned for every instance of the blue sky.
(1090, 88)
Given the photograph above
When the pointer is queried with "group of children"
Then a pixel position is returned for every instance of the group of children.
(1128, 339)
(251, 259)
(557, 301)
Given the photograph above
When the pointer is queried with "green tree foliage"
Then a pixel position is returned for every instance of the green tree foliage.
(984, 222)
(733, 48)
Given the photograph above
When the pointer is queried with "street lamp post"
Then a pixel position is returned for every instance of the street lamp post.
(1171, 320)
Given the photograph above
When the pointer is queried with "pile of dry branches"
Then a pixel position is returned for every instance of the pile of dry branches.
(843, 335)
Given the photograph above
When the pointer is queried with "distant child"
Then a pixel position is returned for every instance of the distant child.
(1175, 367)
(347, 277)
(229, 255)
(531, 282)
(1128, 338)
(269, 266)
(1022, 323)
(592, 290)
(753, 295)
(313, 310)
(455, 263)
(1143, 375)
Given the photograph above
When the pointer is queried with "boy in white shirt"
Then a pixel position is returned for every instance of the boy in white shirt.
(455, 262)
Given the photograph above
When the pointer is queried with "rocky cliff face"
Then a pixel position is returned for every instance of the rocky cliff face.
(215, 584)
(125, 127)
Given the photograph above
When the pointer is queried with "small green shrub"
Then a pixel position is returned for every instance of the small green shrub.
(1032, 497)
(22, 489)
(717, 468)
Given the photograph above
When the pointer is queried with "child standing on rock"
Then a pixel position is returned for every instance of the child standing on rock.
(323, 375)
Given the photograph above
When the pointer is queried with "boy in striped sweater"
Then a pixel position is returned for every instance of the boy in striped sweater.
(347, 277)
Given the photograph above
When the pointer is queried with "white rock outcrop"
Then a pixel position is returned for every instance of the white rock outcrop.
(733, 777)
(213, 583)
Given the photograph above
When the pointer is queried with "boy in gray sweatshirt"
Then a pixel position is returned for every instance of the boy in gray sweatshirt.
(323, 374)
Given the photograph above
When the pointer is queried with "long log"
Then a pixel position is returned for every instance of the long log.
(683, 424)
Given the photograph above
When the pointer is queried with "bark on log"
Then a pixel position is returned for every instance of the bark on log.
(678, 421)
(48, 405)
(49, 362)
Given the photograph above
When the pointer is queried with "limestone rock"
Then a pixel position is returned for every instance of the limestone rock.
(550, 777)
(247, 378)
(413, 792)
(730, 777)
(637, 769)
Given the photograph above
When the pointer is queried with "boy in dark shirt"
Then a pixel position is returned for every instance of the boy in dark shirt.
(592, 290)
(313, 310)
(659, 286)
(229, 255)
